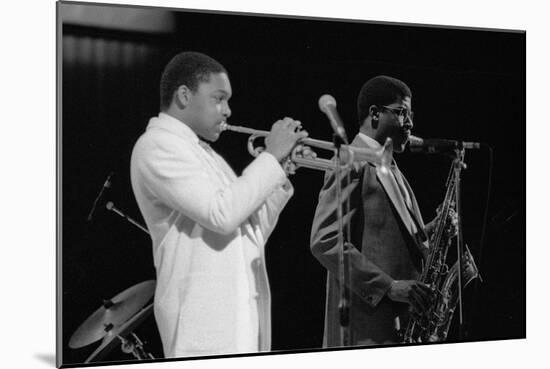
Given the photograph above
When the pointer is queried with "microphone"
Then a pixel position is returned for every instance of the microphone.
(111, 207)
(327, 104)
(437, 145)
(106, 185)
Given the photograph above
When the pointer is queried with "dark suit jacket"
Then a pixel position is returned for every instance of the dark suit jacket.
(387, 246)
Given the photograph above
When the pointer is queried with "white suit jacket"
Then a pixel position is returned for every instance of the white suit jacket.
(208, 229)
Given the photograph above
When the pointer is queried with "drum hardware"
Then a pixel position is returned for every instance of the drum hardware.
(124, 334)
(117, 318)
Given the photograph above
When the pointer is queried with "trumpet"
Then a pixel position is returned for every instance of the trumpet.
(349, 154)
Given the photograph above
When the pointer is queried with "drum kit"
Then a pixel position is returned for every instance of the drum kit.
(115, 322)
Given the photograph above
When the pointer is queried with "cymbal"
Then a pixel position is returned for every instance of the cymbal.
(113, 312)
(109, 342)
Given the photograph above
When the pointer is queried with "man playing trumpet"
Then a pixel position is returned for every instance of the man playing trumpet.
(208, 225)
(387, 232)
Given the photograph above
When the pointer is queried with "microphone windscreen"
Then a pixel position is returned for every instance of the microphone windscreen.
(325, 101)
(415, 141)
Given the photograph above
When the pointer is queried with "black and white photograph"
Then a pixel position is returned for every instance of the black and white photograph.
(202, 168)
(259, 185)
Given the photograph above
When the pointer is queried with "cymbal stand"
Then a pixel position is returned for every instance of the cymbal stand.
(133, 345)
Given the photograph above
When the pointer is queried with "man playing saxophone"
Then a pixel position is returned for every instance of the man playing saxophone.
(388, 236)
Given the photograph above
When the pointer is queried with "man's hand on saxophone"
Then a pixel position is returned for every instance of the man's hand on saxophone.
(451, 224)
(414, 293)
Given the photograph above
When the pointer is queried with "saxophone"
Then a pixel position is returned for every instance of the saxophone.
(433, 325)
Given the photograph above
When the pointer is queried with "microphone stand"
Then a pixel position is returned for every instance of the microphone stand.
(344, 306)
(459, 164)
(106, 185)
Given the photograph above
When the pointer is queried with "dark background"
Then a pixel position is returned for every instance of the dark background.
(467, 85)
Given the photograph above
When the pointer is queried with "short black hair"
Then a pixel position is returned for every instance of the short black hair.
(187, 68)
(380, 90)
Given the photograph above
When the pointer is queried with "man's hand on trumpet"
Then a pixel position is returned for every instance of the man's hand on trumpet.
(301, 151)
(283, 137)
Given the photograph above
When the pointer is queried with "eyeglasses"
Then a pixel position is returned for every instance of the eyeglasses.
(402, 113)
